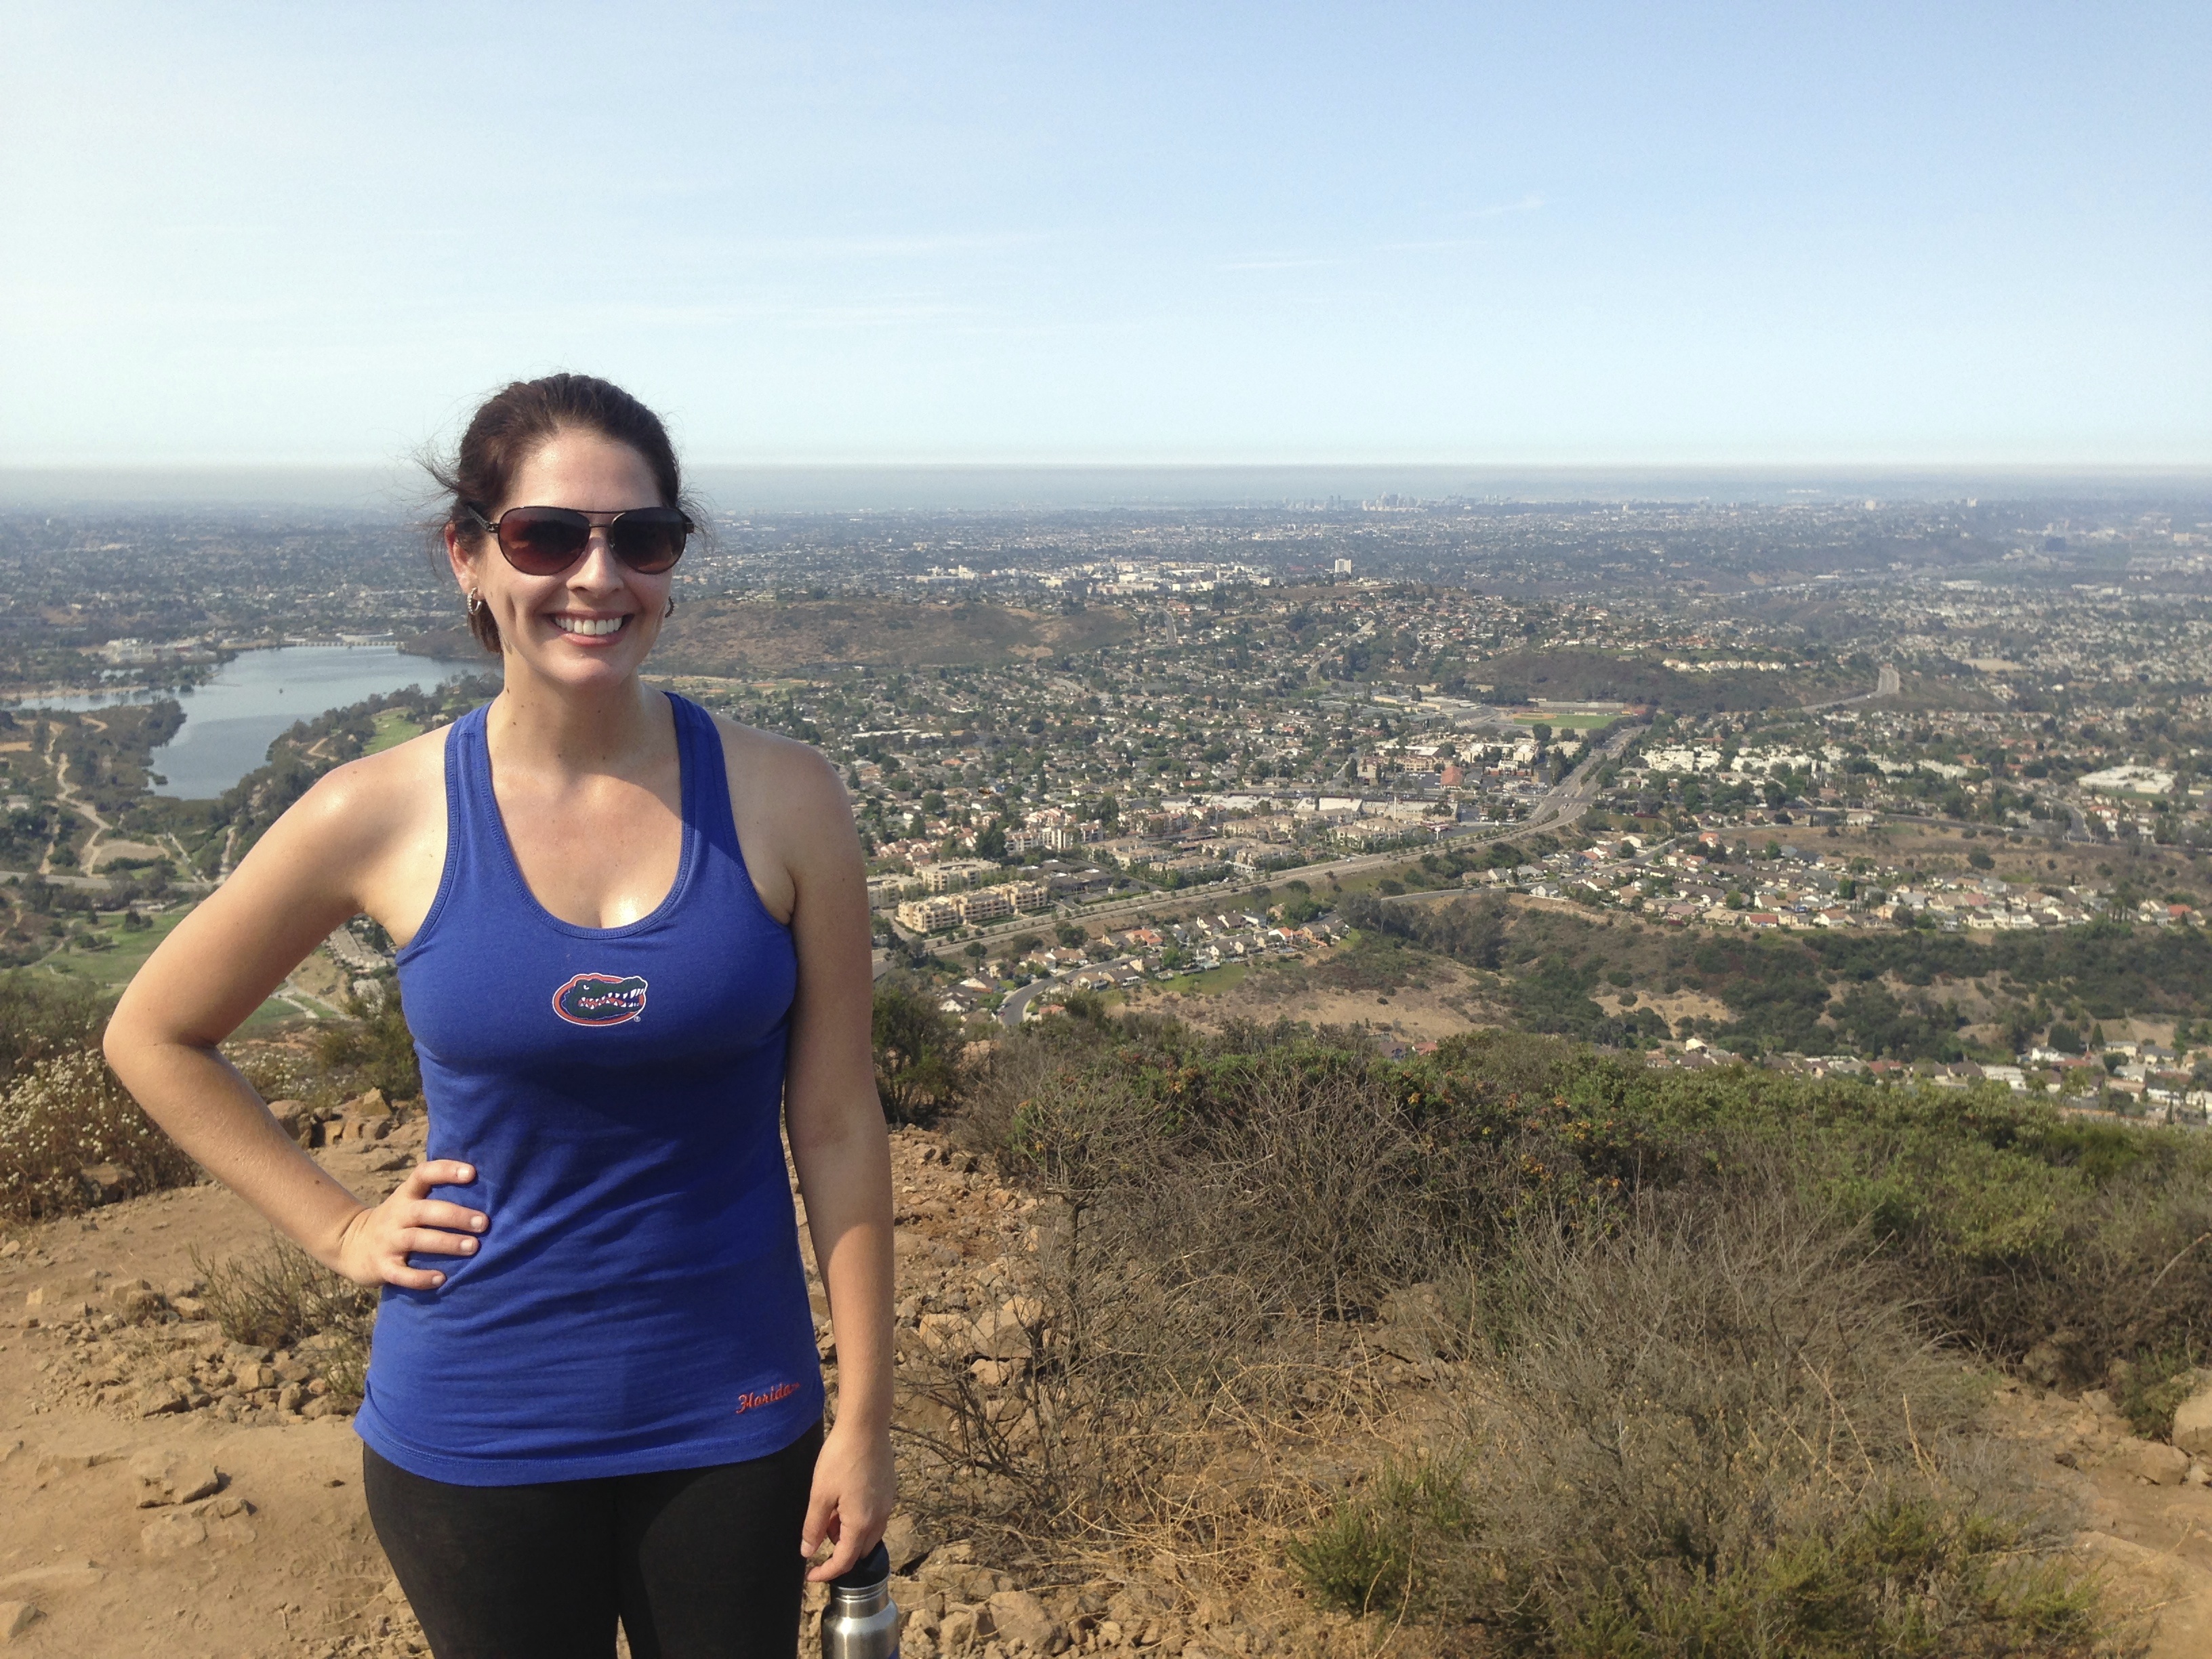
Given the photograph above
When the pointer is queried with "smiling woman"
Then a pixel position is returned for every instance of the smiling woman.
(633, 947)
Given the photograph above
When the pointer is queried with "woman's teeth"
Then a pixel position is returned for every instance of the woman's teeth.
(589, 624)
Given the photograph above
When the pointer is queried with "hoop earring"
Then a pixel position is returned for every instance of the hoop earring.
(671, 612)
(476, 605)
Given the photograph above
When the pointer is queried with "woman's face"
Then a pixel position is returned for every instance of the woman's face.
(592, 625)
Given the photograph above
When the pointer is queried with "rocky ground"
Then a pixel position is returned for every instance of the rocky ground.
(165, 1490)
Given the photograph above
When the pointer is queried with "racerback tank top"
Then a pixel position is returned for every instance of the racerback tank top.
(637, 1302)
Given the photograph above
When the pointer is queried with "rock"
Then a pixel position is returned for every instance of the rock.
(107, 1182)
(176, 1531)
(136, 1300)
(1004, 1333)
(371, 1104)
(962, 1626)
(225, 1519)
(56, 1576)
(2043, 1363)
(163, 1396)
(1018, 1616)
(2161, 1465)
(16, 1618)
(906, 1541)
(55, 1462)
(188, 1307)
(941, 1333)
(168, 1477)
(2192, 1424)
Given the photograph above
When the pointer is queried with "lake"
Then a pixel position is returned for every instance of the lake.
(230, 721)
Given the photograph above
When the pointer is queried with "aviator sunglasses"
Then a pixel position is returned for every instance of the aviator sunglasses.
(544, 541)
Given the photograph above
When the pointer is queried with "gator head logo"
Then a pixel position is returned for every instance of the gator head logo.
(601, 998)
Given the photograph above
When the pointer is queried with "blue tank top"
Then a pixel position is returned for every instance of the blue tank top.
(637, 1302)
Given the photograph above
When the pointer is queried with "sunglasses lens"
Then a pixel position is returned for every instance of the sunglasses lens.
(649, 539)
(541, 540)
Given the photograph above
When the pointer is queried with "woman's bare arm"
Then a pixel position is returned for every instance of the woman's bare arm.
(305, 876)
(840, 1147)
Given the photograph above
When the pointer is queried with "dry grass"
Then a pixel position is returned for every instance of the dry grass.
(1716, 1428)
(283, 1298)
(1708, 1421)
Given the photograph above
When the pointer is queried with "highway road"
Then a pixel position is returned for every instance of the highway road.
(1886, 684)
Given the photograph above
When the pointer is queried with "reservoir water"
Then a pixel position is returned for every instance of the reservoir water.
(230, 721)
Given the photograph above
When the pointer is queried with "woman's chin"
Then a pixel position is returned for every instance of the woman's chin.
(563, 662)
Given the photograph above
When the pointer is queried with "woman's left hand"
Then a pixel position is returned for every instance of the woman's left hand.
(854, 1484)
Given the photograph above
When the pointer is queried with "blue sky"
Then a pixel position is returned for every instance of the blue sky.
(1575, 234)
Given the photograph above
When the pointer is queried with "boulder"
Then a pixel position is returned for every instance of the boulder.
(906, 1541)
(135, 1299)
(61, 1576)
(963, 1626)
(943, 1333)
(107, 1182)
(163, 1395)
(2161, 1465)
(1018, 1617)
(2193, 1423)
(173, 1533)
(1004, 1333)
(2043, 1363)
(16, 1618)
(168, 1477)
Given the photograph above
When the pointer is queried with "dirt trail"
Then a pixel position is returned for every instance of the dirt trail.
(65, 792)
(280, 1562)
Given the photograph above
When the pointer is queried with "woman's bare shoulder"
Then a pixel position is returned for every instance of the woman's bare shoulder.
(784, 769)
(366, 801)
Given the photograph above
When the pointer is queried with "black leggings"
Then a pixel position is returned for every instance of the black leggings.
(698, 1563)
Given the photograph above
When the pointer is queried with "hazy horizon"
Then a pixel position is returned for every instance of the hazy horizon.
(983, 486)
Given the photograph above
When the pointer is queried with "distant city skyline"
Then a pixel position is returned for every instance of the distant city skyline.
(1850, 238)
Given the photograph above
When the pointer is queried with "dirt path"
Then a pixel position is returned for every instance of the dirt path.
(279, 1561)
(65, 792)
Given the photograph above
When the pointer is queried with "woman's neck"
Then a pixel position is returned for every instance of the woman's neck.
(619, 728)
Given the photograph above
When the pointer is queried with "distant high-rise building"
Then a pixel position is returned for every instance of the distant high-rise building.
(1341, 567)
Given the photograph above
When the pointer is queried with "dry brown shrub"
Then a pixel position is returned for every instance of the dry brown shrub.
(1717, 1428)
(283, 1298)
(1186, 1345)
(71, 1138)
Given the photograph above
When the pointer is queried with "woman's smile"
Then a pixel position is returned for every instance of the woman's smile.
(591, 630)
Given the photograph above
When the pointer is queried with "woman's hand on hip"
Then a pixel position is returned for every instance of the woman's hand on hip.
(374, 1247)
(854, 1483)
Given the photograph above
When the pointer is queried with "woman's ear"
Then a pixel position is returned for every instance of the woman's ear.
(458, 556)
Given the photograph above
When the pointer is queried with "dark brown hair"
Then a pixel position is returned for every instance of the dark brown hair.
(517, 421)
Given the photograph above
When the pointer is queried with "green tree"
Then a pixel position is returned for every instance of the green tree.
(917, 1052)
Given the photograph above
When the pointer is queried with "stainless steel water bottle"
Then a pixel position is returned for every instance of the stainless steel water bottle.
(862, 1621)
